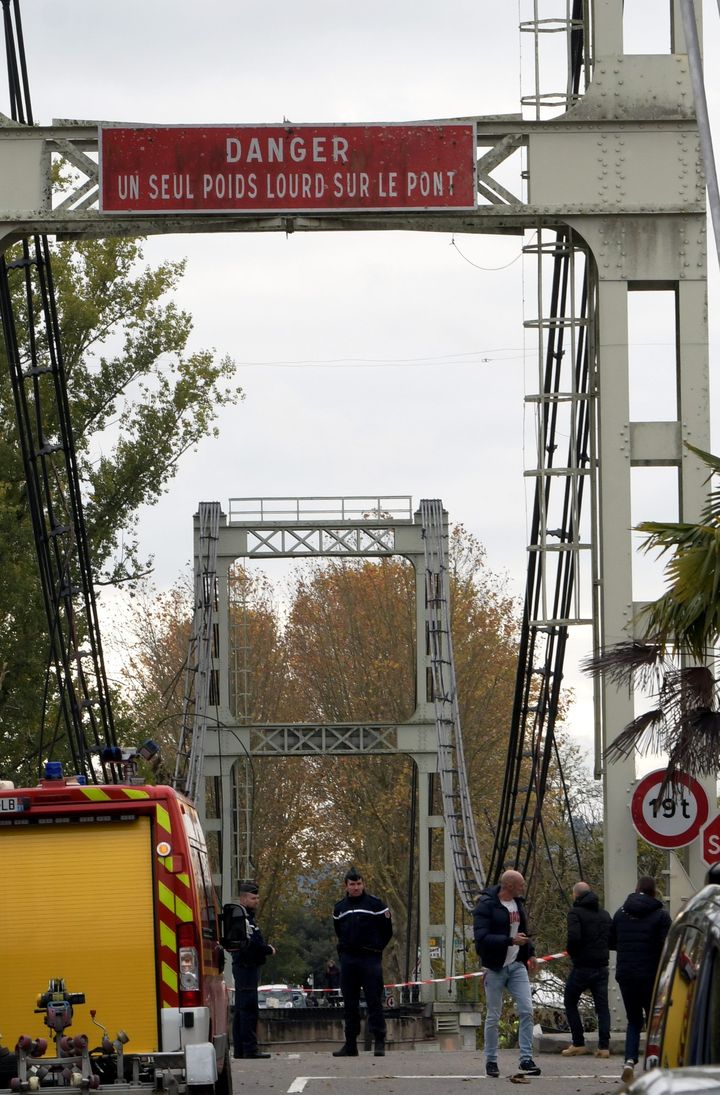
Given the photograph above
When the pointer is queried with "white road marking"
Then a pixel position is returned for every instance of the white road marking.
(300, 1082)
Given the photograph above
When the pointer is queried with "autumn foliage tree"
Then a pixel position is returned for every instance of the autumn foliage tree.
(346, 652)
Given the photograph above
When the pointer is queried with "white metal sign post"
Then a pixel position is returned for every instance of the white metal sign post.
(673, 819)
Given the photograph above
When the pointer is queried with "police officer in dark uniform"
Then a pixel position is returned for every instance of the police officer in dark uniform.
(363, 928)
(243, 938)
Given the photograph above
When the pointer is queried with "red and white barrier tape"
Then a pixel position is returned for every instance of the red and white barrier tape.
(455, 977)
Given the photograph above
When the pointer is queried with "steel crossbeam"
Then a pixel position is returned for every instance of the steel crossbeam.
(322, 739)
(28, 202)
(320, 541)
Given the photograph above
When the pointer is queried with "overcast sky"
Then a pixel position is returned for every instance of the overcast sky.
(373, 364)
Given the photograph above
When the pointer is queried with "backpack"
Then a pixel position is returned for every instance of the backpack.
(234, 923)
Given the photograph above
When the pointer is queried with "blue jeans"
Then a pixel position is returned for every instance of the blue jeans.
(595, 981)
(513, 979)
(637, 997)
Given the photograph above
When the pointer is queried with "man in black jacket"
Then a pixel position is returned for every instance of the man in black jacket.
(243, 938)
(638, 934)
(588, 935)
(503, 942)
(363, 928)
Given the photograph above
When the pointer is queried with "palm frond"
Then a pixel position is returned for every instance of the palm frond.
(689, 688)
(686, 626)
(664, 536)
(634, 663)
(696, 743)
(694, 751)
(711, 511)
(645, 734)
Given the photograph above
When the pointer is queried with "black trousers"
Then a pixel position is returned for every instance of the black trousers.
(362, 972)
(245, 1014)
(595, 981)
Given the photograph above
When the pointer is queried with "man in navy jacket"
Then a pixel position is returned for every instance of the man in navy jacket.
(363, 928)
(503, 942)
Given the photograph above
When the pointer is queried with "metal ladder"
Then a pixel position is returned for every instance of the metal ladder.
(457, 810)
(556, 548)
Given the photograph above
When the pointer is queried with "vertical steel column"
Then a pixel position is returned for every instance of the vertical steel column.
(607, 27)
(615, 557)
(426, 769)
(693, 413)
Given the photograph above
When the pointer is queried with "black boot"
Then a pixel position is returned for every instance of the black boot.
(379, 1047)
(349, 1049)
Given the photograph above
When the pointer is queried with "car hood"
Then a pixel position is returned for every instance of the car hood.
(696, 1080)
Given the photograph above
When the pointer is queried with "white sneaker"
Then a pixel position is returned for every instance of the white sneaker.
(628, 1072)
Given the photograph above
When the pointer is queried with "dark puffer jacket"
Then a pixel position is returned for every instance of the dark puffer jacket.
(491, 924)
(588, 932)
(638, 933)
(362, 925)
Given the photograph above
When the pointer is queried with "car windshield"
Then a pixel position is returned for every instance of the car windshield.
(275, 997)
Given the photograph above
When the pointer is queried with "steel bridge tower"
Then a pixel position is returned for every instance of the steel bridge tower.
(618, 175)
(345, 528)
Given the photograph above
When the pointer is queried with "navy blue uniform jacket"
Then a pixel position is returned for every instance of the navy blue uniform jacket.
(362, 925)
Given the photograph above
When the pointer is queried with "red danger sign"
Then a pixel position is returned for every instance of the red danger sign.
(286, 169)
(673, 819)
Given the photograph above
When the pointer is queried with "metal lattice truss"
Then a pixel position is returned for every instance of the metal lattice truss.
(339, 739)
(457, 810)
(199, 668)
(352, 541)
(489, 188)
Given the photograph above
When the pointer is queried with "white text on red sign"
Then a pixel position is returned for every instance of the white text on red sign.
(219, 169)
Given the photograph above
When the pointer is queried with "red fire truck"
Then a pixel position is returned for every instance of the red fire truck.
(113, 899)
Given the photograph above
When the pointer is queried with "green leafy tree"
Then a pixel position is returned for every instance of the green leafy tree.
(304, 944)
(140, 399)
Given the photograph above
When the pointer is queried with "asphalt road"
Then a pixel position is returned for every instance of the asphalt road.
(420, 1072)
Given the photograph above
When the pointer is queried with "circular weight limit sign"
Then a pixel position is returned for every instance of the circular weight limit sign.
(673, 820)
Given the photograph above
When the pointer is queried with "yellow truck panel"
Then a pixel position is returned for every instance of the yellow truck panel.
(77, 903)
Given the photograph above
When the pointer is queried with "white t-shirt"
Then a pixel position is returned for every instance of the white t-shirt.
(514, 914)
